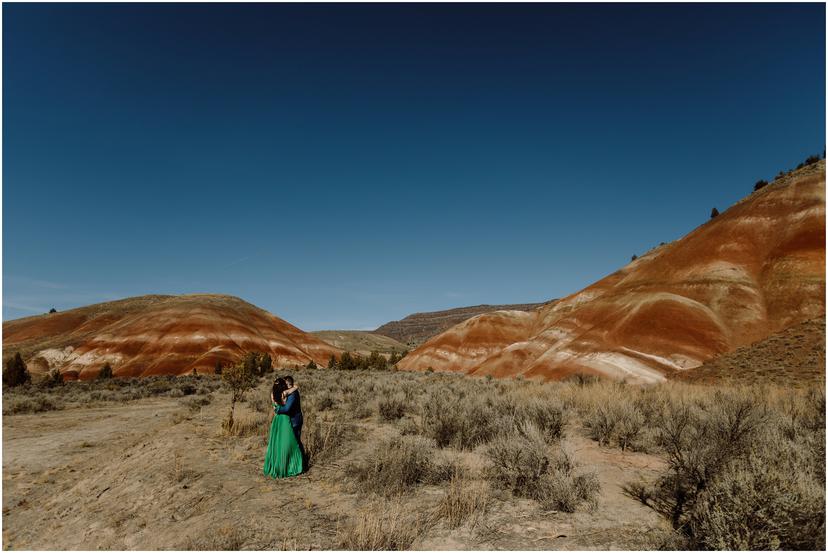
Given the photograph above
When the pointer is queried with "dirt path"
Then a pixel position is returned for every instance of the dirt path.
(150, 474)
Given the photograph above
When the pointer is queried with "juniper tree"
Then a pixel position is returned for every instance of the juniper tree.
(16, 373)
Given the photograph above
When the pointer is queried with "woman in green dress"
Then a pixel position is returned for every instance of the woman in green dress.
(283, 458)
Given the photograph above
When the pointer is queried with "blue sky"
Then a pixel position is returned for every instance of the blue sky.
(346, 165)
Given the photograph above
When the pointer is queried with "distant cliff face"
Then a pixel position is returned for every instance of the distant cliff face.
(750, 272)
(419, 327)
(152, 335)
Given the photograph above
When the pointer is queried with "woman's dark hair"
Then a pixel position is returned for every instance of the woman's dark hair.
(279, 386)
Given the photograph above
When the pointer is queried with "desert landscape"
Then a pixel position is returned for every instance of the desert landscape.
(413, 276)
(125, 417)
(415, 461)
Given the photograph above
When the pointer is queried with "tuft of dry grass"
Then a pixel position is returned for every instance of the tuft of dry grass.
(383, 526)
(224, 538)
(247, 423)
(464, 500)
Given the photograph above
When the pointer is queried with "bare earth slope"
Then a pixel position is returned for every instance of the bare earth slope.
(419, 327)
(794, 357)
(158, 335)
(754, 270)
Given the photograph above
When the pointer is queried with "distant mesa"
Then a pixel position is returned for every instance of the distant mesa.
(155, 335)
(419, 327)
(750, 272)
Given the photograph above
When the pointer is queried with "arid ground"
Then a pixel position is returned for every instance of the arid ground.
(398, 461)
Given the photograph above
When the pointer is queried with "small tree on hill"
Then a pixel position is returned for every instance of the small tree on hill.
(346, 362)
(53, 310)
(16, 373)
(53, 378)
(634, 257)
(106, 371)
(265, 364)
(332, 362)
(376, 361)
(714, 213)
(760, 184)
(811, 160)
(218, 367)
(251, 362)
(311, 365)
(239, 379)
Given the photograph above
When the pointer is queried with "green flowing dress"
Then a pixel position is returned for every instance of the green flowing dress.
(283, 458)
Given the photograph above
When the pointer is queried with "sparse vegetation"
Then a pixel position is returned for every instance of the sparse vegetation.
(714, 213)
(436, 452)
(760, 184)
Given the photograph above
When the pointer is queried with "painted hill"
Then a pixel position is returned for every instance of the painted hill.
(150, 335)
(360, 341)
(750, 272)
(419, 327)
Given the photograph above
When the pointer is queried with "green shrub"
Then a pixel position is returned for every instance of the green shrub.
(15, 372)
(53, 378)
(105, 372)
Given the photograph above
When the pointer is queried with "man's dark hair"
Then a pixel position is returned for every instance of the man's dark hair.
(289, 381)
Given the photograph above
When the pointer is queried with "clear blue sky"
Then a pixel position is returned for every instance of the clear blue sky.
(342, 166)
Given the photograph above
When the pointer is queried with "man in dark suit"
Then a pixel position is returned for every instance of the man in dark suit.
(293, 409)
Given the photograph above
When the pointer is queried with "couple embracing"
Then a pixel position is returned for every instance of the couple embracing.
(285, 455)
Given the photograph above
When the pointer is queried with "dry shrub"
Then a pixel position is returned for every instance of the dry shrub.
(260, 402)
(399, 464)
(465, 499)
(195, 404)
(382, 526)
(618, 422)
(462, 423)
(392, 408)
(738, 476)
(325, 440)
(548, 415)
(37, 403)
(764, 501)
(325, 402)
(225, 538)
(526, 465)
